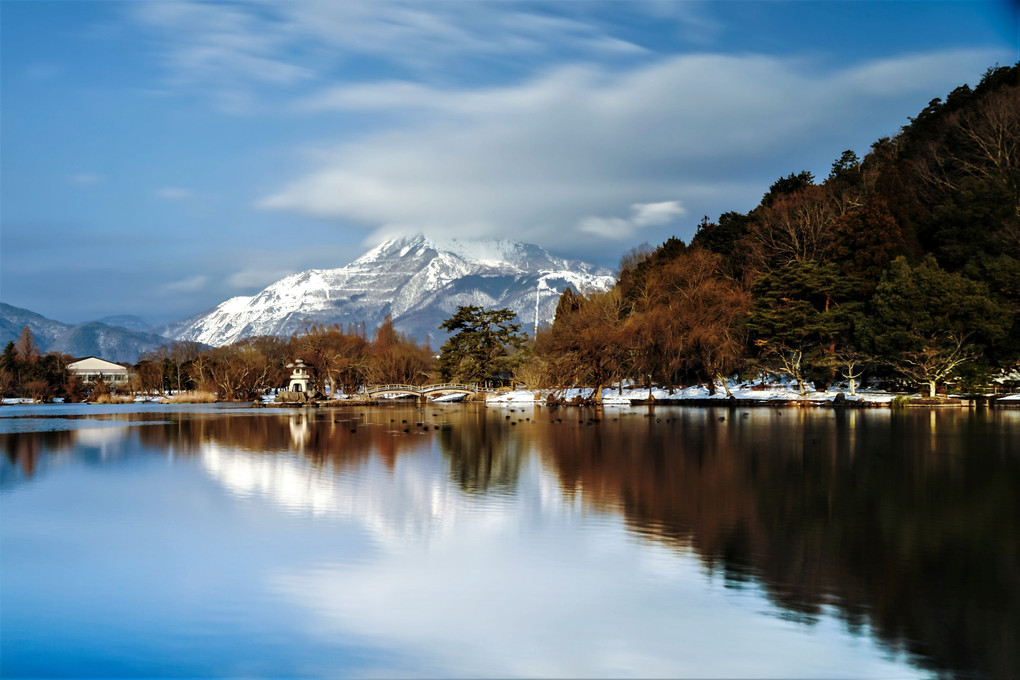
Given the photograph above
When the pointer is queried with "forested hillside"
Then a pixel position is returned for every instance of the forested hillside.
(904, 265)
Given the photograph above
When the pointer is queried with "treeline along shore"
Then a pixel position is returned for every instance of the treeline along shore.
(901, 268)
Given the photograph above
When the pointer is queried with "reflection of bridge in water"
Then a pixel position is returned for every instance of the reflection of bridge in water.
(421, 391)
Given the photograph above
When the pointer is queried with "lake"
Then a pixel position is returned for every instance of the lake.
(465, 541)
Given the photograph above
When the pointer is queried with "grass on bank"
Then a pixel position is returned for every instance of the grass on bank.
(196, 397)
(111, 399)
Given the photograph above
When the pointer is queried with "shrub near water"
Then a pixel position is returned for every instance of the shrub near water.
(196, 397)
(109, 398)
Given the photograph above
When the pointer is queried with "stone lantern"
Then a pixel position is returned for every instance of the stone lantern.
(300, 378)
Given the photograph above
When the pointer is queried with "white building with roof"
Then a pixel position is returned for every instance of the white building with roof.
(91, 369)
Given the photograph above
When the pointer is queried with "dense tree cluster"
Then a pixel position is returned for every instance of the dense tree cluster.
(905, 264)
(25, 372)
(339, 360)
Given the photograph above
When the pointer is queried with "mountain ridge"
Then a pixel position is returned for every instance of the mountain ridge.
(92, 338)
(416, 280)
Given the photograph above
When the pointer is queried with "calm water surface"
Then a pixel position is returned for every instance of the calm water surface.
(680, 542)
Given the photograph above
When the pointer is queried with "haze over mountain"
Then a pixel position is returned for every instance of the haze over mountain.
(94, 338)
(417, 280)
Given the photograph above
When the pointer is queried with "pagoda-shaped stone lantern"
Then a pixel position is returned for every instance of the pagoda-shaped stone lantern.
(300, 378)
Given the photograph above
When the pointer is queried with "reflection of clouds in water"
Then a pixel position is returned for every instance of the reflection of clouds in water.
(527, 584)
(586, 604)
(412, 501)
(101, 435)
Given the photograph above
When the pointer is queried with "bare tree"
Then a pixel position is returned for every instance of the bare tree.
(795, 227)
(784, 359)
(851, 364)
(936, 362)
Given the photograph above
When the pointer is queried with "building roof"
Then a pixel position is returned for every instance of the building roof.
(95, 365)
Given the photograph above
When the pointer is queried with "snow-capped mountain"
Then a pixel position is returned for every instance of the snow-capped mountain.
(418, 280)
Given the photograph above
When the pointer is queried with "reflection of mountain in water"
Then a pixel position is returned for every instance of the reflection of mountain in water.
(906, 523)
(414, 499)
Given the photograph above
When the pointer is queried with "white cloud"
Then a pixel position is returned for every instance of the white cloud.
(656, 214)
(206, 42)
(642, 215)
(192, 284)
(173, 193)
(84, 179)
(255, 278)
(227, 50)
(537, 160)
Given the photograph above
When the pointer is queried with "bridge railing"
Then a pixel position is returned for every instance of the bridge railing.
(419, 389)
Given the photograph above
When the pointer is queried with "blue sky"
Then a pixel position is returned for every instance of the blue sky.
(160, 157)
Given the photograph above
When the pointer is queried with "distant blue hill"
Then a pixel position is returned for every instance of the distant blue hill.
(94, 338)
(128, 321)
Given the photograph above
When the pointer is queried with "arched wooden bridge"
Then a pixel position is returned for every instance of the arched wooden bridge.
(421, 391)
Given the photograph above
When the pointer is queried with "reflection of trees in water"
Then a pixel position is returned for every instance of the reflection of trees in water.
(485, 452)
(340, 438)
(24, 449)
(911, 529)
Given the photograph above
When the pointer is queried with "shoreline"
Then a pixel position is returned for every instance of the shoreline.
(515, 399)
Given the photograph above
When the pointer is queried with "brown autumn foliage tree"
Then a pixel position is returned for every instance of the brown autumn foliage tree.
(236, 372)
(794, 227)
(341, 359)
(148, 376)
(278, 352)
(654, 344)
(688, 320)
(397, 359)
(26, 348)
(583, 347)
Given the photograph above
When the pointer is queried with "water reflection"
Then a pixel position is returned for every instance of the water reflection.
(499, 546)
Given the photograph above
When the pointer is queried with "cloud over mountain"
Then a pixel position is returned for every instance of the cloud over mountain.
(553, 159)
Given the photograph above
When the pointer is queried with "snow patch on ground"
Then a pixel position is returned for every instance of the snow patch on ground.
(444, 398)
(614, 396)
(515, 397)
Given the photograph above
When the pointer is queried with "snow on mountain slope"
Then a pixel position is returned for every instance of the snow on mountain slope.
(417, 280)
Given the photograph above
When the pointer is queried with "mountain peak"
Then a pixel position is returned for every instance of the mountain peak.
(499, 253)
(416, 279)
